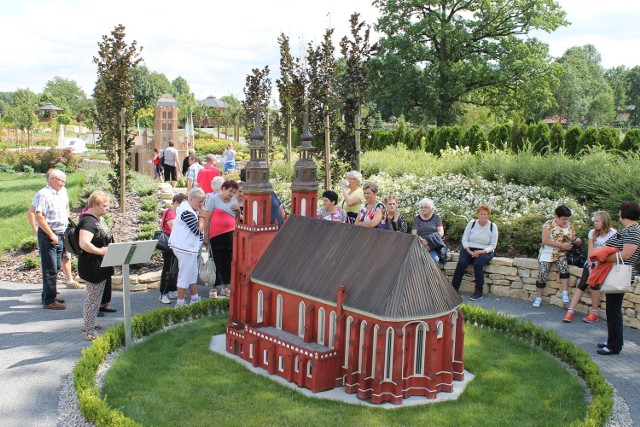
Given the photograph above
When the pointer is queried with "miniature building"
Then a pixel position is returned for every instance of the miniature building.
(325, 304)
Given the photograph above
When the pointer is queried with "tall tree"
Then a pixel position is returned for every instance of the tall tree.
(353, 86)
(257, 92)
(321, 74)
(148, 86)
(180, 86)
(447, 49)
(114, 91)
(290, 90)
(633, 95)
(23, 111)
(66, 94)
(617, 79)
(234, 113)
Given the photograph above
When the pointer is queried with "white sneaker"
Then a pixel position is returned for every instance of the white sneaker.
(194, 300)
(537, 302)
(164, 298)
(565, 297)
(173, 295)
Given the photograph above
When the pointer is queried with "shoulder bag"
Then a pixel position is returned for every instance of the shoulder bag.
(162, 237)
(618, 280)
(206, 267)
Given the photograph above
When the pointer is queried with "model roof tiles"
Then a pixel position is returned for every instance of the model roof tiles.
(387, 274)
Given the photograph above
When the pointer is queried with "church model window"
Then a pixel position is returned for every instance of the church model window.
(321, 326)
(301, 310)
(260, 312)
(281, 363)
(374, 346)
(363, 325)
(440, 330)
(332, 328)
(309, 369)
(347, 337)
(296, 364)
(265, 357)
(388, 359)
(279, 312)
(420, 347)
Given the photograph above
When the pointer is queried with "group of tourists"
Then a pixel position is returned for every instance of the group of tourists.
(206, 217)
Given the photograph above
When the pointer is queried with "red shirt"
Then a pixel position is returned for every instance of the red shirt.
(168, 215)
(205, 176)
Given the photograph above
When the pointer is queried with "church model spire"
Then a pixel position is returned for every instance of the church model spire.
(304, 190)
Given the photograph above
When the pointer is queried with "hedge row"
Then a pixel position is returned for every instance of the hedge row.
(39, 160)
(97, 411)
(92, 407)
(599, 410)
(539, 138)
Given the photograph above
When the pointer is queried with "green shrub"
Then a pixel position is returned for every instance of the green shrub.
(28, 244)
(499, 136)
(556, 138)
(148, 217)
(5, 168)
(149, 204)
(145, 235)
(540, 137)
(210, 146)
(608, 138)
(631, 141)
(152, 227)
(28, 170)
(31, 262)
(588, 139)
(572, 140)
(475, 139)
(142, 184)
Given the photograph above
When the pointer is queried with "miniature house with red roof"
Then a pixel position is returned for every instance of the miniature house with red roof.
(325, 305)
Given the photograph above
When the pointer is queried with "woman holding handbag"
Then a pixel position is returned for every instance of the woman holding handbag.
(168, 283)
(627, 241)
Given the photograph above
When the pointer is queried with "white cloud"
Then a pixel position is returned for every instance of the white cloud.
(215, 44)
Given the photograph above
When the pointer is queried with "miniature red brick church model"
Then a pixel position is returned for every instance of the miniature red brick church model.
(325, 304)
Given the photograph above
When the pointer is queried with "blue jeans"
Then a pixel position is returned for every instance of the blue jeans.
(435, 255)
(478, 269)
(50, 259)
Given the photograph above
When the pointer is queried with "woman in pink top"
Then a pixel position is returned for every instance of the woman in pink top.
(219, 223)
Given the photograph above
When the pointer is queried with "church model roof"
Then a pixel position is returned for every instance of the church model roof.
(387, 274)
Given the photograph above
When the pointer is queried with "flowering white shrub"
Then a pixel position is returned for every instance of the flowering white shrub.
(460, 195)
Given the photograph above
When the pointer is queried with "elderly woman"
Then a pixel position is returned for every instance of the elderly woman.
(329, 210)
(479, 242)
(185, 240)
(627, 241)
(94, 236)
(394, 219)
(372, 214)
(352, 195)
(428, 227)
(558, 236)
(168, 285)
(220, 211)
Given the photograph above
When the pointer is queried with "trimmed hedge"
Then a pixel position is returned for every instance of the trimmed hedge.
(96, 410)
(599, 410)
(92, 407)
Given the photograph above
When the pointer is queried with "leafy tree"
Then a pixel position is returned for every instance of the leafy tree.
(633, 95)
(582, 92)
(180, 86)
(65, 93)
(445, 50)
(291, 88)
(145, 118)
(257, 93)
(23, 111)
(113, 92)
(63, 119)
(321, 75)
(617, 79)
(148, 86)
(352, 87)
(234, 112)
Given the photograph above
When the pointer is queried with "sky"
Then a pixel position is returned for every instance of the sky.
(214, 44)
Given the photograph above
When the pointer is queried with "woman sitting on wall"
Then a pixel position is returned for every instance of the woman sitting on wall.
(478, 245)
(394, 219)
(427, 225)
(330, 211)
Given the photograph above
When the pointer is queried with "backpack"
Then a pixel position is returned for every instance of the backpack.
(71, 238)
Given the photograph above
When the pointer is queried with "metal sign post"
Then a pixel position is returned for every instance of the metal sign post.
(125, 254)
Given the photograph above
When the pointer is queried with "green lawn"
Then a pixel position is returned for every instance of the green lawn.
(172, 379)
(16, 193)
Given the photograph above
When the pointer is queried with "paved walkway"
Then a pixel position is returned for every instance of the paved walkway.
(38, 348)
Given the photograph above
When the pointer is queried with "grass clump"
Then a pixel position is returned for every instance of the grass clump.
(28, 244)
(147, 217)
(31, 262)
(149, 204)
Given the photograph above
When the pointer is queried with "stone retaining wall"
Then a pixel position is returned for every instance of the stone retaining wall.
(516, 278)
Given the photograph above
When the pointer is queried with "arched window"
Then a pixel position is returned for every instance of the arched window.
(374, 347)
(440, 330)
(309, 369)
(303, 207)
(296, 364)
(363, 325)
(260, 312)
(254, 213)
(332, 328)
(321, 326)
(421, 332)
(301, 310)
(454, 321)
(279, 312)
(388, 356)
(347, 337)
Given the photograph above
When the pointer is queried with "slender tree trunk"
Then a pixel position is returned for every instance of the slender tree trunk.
(289, 148)
(327, 149)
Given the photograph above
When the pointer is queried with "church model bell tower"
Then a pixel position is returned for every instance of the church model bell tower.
(304, 190)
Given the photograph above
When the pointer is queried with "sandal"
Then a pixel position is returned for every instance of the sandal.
(226, 292)
(91, 337)
(213, 294)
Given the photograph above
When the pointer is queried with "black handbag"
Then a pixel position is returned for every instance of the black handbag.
(577, 256)
(162, 237)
